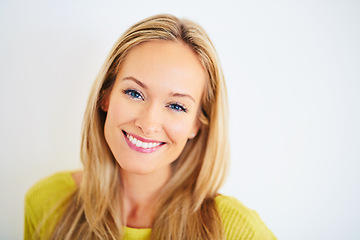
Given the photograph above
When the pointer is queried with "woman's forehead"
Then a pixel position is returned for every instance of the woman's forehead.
(165, 64)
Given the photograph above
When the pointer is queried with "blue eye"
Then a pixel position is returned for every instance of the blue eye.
(177, 107)
(134, 94)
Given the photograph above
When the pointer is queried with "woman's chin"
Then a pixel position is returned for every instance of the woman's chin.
(139, 169)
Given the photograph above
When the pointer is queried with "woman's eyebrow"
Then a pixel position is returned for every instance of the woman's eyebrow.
(136, 81)
(182, 95)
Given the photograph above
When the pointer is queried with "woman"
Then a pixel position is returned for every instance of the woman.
(154, 148)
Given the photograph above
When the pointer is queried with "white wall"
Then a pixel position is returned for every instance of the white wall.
(293, 73)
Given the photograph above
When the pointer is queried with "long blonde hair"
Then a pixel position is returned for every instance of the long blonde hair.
(186, 209)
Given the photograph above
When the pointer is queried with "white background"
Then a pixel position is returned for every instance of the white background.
(293, 75)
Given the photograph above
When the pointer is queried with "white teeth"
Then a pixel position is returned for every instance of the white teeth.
(141, 144)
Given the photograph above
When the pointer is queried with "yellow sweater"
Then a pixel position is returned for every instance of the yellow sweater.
(239, 222)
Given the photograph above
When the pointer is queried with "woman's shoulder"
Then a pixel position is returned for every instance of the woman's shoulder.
(51, 186)
(239, 220)
(43, 198)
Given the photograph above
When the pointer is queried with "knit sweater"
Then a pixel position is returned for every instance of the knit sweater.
(239, 222)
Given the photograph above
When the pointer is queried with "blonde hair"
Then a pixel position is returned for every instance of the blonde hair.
(186, 209)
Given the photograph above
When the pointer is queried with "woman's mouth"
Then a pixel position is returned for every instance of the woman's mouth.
(142, 145)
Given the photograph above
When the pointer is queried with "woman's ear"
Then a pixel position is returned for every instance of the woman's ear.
(104, 104)
(196, 129)
(103, 107)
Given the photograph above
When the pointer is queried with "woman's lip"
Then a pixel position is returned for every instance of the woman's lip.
(141, 139)
(140, 149)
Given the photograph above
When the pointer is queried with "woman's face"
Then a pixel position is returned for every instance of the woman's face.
(153, 107)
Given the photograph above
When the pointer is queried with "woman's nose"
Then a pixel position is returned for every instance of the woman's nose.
(149, 120)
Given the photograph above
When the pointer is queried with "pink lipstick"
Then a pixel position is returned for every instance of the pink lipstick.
(142, 145)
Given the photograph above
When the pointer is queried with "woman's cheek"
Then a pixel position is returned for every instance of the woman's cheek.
(178, 128)
(123, 111)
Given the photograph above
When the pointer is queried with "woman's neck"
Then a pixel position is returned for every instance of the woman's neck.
(140, 194)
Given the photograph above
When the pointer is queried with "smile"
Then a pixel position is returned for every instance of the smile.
(143, 145)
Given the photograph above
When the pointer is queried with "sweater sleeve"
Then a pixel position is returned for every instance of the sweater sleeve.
(29, 221)
(41, 202)
(240, 222)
